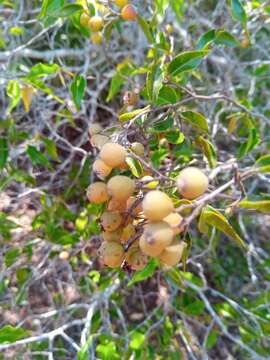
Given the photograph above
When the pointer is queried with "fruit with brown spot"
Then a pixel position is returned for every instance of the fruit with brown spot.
(97, 192)
(111, 221)
(192, 183)
(121, 187)
(112, 254)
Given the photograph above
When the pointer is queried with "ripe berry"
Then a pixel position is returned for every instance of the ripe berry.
(116, 205)
(95, 23)
(130, 98)
(84, 19)
(101, 168)
(111, 221)
(136, 258)
(112, 235)
(156, 236)
(192, 182)
(128, 13)
(113, 154)
(172, 254)
(175, 221)
(97, 38)
(137, 148)
(128, 232)
(120, 187)
(112, 254)
(97, 192)
(99, 140)
(157, 205)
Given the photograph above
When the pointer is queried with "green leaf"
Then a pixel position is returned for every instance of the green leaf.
(6, 226)
(167, 95)
(208, 150)
(37, 157)
(10, 334)
(68, 10)
(211, 339)
(212, 217)
(14, 93)
(225, 38)
(164, 124)
(252, 141)
(161, 6)
(186, 61)
(41, 69)
(175, 136)
(260, 205)
(146, 29)
(130, 115)
(196, 119)
(3, 152)
(135, 166)
(137, 340)
(107, 351)
(263, 163)
(40, 85)
(147, 272)
(50, 148)
(49, 7)
(77, 89)
(206, 39)
(238, 11)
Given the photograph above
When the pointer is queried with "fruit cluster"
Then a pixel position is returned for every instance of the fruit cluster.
(96, 23)
(137, 224)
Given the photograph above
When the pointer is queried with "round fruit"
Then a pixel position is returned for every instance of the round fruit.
(99, 140)
(136, 258)
(128, 232)
(97, 192)
(137, 148)
(84, 19)
(95, 23)
(128, 13)
(157, 205)
(97, 38)
(94, 129)
(130, 98)
(101, 169)
(175, 221)
(156, 236)
(135, 210)
(192, 182)
(112, 235)
(120, 187)
(64, 255)
(111, 221)
(121, 3)
(113, 154)
(172, 254)
(112, 254)
(116, 205)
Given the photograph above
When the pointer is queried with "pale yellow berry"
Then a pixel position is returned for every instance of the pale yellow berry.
(137, 148)
(172, 254)
(111, 221)
(120, 187)
(101, 168)
(113, 154)
(94, 129)
(175, 221)
(99, 140)
(97, 193)
(112, 254)
(97, 38)
(95, 23)
(157, 205)
(192, 182)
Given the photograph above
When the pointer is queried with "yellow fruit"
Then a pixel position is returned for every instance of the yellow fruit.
(94, 129)
(157, 205)
(97, 192)
(112, 254)
(121, 3)
(84, 19)
(120, 187)
(116, 205)
(112, 235)
(130, 98)
(97, 38)
(111, 221)
(136, 259)
(101, 169)
(175, 221)
(156, 236)
(245, 43)
(113, 154)
(128, 13)
(128, 232)
(98, 140)
(64, 255)
(95, 23)
(192, 182)
(148, 183)
(137, 148)
(135, 210)
(172, 254)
